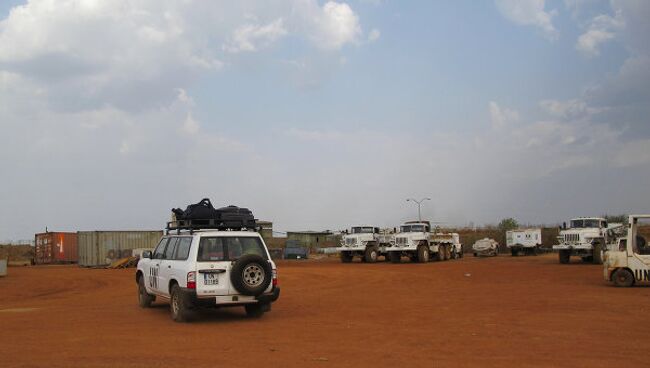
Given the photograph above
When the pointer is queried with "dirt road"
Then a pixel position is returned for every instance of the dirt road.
(487, 312)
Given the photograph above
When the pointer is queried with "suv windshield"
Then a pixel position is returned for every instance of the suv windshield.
(579, 224)
(229, 248)
(362, 230)
(412, 228)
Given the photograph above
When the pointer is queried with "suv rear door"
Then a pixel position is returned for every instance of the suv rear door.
(215, 257)
(212, 267)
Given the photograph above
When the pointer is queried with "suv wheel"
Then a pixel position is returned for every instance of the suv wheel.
(623, 278)
(251, 275)
(255, 310)
(179, 309)
(144, 299)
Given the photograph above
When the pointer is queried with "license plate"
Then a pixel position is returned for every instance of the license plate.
(210, 279)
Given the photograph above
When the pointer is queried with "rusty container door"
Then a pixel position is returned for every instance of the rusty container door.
(65, 248)
(43, 248)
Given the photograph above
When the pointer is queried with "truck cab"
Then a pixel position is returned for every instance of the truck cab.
(586, 237)
(366, 242)
(628, 263)
(416, 241)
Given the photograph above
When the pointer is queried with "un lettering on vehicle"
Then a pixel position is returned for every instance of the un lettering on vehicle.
(153, 277)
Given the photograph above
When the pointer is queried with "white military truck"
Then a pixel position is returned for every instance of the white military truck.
(526, 241)
(485, 247)
(586, 238)
(629, 262)
(416, 241)
(367, 242)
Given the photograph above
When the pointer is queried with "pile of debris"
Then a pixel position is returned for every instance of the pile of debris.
(127, 262)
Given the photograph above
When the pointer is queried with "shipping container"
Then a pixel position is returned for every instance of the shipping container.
(55, 247)
(100, 248)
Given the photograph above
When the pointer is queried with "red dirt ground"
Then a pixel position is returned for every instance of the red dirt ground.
(474, 312)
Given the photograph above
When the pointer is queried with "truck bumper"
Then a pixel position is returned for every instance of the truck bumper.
(583, 246)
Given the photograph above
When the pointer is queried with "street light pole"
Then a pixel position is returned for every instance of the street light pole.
(419, 205)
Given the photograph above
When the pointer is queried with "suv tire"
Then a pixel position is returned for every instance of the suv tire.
(144, 299)
(179, 309)
(255, 310)
(251, 275)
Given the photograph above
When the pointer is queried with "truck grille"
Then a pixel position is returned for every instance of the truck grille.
(350, 241)
(572, 238)
(401, 241)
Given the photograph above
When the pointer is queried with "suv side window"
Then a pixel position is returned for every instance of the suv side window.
(171, 248)
(183, 249)
(160, 249)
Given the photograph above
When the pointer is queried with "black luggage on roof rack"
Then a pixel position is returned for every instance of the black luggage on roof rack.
(203, 215)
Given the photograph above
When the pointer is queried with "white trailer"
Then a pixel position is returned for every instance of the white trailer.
(366, 242)
(416, 241)
(629, 262)
(526, 241)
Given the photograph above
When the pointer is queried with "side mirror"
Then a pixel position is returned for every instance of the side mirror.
(146, 254)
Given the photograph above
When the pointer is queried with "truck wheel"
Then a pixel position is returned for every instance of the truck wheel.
(623, 278)
(144, 299)
(513, 251)
(346, 257)
(447, 253)
(255, 310)
(440, 256)
(475, 254)
(371, 254)
(423, 254)
(565, 256)
(387, 256)
(597, 257)
(180, 312)
(395, 257)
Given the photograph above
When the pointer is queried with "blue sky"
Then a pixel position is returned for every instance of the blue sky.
(321, 115)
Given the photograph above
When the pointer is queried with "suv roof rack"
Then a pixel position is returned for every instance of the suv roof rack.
(203, 224)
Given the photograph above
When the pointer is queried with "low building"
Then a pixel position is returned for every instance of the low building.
(312, 239)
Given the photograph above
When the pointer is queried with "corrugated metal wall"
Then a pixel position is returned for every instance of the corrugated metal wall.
(100, 248)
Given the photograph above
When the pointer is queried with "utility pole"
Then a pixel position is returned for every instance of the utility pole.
(419, 206)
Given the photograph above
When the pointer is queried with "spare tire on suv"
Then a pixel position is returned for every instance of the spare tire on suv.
(251, 275)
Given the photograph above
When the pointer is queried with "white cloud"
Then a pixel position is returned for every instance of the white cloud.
(529, 13)
(335, 24)
(501, 117)
(601, 29)
(190, 126)
(251, 37)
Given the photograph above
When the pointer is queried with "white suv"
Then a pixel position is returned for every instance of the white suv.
(209, 268)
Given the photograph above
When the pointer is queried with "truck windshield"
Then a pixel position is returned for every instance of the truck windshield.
(581, 224)
(412, 228)
(362, 230)
(230, 248)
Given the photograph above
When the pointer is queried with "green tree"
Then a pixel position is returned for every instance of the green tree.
(508, 224)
